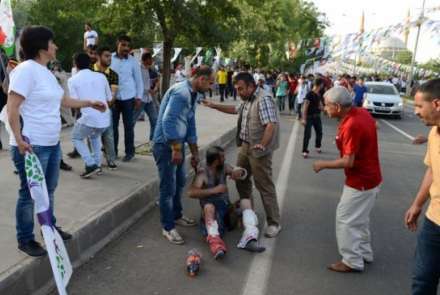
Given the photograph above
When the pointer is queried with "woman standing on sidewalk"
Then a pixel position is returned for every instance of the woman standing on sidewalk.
(282, 87)
(35, 95)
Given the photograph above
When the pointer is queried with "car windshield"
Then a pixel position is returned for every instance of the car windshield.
(381, 89)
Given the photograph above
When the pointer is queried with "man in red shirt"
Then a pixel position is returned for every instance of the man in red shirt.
(357, 143)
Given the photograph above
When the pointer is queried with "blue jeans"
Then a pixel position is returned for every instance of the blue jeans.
(81, 132)
(126, 108)
(172, 182)
(50, 157)
(108, 140)
(151, 110)
(426, 271)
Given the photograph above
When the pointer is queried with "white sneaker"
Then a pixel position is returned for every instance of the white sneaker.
(173, 236)
(272, 231)
(185, 221)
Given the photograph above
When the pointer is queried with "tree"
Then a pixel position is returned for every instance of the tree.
(188, 22)
(267, 26)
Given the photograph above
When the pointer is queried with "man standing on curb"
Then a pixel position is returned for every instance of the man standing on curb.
(426, 271)
(128, 96)
(103, 66)
(176, 126)
(257, 137)
(358, 146)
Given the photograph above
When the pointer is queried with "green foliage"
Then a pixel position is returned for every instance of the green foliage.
(432, 64)
(253, 31)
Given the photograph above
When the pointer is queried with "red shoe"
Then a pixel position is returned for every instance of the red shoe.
(217, 246)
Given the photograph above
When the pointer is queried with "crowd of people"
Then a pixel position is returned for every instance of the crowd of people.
(106, 85)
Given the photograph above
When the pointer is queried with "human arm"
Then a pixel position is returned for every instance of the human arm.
(305, 111)
(346, 161)
(422, 196)
(13, 108)
(74, 102)
(196, 190)
(137, 75)
(228, 109)
(269, 118)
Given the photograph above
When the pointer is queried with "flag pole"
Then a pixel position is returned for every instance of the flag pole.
(413, 60)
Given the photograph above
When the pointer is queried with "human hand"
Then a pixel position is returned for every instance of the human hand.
(303, 122)
(220, 189)
(137, 104)
(420, 139)
(24, 147)
(411, 217)
(207, 103)
(318, 166)
(195, 161)
(98, 105)
(176, 157)
(238, 173)
(259, 147)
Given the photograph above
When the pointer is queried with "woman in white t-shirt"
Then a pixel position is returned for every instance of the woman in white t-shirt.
(34, 100)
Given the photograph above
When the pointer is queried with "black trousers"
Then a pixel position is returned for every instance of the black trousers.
(222, 90)
(315, 122)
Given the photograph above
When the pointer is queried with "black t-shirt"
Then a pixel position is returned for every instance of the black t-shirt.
(314, 103)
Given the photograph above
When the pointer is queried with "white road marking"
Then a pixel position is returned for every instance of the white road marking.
(410, 137)
(260, 268)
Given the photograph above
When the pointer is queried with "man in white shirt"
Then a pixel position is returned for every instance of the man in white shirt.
(90, 36)
(87, 84)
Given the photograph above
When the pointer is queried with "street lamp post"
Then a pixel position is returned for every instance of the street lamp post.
(413, 60)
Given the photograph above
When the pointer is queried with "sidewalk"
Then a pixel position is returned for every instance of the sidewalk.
(96, 210)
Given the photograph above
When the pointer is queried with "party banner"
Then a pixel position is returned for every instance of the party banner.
(58, 256)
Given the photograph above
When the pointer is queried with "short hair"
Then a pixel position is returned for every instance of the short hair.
(430, 89)
(318, 82)
(339, 95)
(146, 56)
(103, 49)
(33, 39)
(92, 47)
(82, 61)
(213, 153)
(88, 24)
(202, 70)
(124, 38)
(246, 77)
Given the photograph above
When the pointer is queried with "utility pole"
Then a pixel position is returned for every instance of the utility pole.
(413, 61)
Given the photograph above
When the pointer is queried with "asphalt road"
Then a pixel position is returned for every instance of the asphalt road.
(141, 261)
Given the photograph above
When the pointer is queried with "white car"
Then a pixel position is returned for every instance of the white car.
(382, 98)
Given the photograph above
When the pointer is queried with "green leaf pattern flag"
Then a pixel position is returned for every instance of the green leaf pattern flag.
(7, 27)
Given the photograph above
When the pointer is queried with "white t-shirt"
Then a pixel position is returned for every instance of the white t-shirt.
(89, 85)
(40, 109)
(90, 37)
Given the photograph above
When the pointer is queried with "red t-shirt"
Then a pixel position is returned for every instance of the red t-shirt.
(292, 86)
(357, 135)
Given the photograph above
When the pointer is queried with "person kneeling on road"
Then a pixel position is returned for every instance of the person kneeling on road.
(210, 188)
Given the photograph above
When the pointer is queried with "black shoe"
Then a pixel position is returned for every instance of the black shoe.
(32, 248)
(64, 166)
(90, 170)
(112, 166)
(73, 154)
(127, 158)
(64, 235)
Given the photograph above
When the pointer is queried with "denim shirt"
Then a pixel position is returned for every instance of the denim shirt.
(177, 121)
(130, 77)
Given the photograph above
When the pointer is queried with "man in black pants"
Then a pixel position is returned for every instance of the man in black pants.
(313, 104)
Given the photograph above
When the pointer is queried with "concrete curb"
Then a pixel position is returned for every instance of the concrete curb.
(34, 275)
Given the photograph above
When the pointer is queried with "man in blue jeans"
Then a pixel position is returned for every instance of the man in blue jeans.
(128, 96)
(176, 126)
(426, 271)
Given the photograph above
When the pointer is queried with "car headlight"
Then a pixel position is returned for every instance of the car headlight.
(366, 102)
(400, 104)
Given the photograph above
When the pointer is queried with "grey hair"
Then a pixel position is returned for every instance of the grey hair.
(339, 95)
